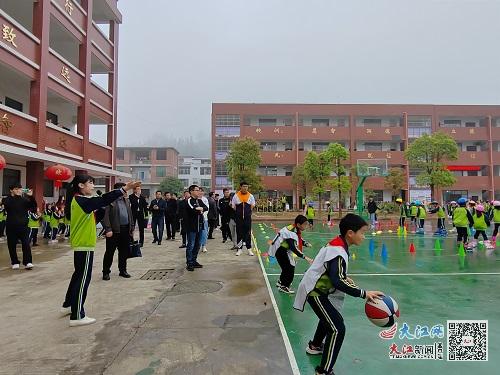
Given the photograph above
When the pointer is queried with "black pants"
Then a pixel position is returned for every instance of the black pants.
(32, 235)
(402, 221)
(157, 227)
(79, 284)
(139, 219)
(243, 233)
(462, 234)
(122, 242)
(226, 232)
(495, 231)
(183, 231)
(48, 231)
(331, 328)
(212, 224)
(17, 233)
(480, 232)
(440, 223)
(421, 223)
(62, 228)
(2, 228)
(287, 270)
(171, 226)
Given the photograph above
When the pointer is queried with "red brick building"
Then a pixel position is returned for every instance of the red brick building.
(58, 83)
(286, 133)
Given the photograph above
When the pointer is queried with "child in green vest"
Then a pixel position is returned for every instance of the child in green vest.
(441, 216)
(420, 217)
(402, 212)
(496, 219)
(413, 213)
(481, 222)
(462, 219)
(3, 217)
(80, 207)
(33, 225)
(54, 224)
(309, 213)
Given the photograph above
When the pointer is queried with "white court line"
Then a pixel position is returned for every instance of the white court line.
(411, 274)
(286, 340)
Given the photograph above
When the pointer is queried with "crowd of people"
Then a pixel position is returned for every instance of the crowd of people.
(76, 216)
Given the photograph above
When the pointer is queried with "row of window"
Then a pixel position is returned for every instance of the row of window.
(142, 155)
(204, 171)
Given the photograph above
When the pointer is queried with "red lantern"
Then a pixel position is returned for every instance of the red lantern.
(58, 173)
(3, 163)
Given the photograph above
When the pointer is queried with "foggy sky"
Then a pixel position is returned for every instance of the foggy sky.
(176, 57)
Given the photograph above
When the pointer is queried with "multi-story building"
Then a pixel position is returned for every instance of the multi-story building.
(195, 171)
(148, 164)
(52, 54)
(286, 132)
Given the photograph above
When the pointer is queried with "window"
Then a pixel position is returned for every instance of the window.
(320, 122)
(220, 169)
(472, 148)
(184, 170)
(206, 182)
(204, 171)
(372, 122)
(267, 122)
(161, 154)
(100, 181)
(9, 102)
(227, 120)
(48, 188)
(227, 131)
(373, 146)
(223, 144)
(472, 173)
(470, 124)
(450, 123)
(120, 169)
(161, 171)
(142, 155)
(319, 146)
(378, 195)
(418, 132)
(120, 153)
(141, 175)
(268, 171)
(222, 182)
(10, 177)
(268, 146)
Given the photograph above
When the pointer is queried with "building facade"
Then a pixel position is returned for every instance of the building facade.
(58, 85)
(195, 171)
(148, 164)
(287, 132)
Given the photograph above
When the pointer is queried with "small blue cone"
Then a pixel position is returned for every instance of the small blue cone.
(384, 251)
(372, 248)
(272, 260)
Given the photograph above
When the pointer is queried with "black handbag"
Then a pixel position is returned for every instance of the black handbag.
(135, 250)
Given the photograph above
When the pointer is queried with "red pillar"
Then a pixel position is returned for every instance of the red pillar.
(35, 179)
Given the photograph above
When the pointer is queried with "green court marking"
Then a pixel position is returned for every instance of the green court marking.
(430, 289)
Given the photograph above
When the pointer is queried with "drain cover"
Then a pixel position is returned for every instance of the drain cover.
(157, 274)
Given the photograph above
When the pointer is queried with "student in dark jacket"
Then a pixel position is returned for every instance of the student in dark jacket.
(139, 207)
(225, 214)
(171, 215)
(16, 207)
(194, 226)
(372, 210)
(119, 227)
(213, 215)
(182, 216)
(157, 208)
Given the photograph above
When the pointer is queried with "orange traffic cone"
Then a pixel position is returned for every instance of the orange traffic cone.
(412, 248)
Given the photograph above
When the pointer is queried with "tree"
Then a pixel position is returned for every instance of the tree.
(317, 168)
(300, 179)
(395, 181)
(341, 183)
(428, 153)
(171, 184)
(242, 163)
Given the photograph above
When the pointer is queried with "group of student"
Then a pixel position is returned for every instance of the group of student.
(325, 282)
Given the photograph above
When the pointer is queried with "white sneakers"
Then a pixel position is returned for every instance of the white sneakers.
(204, 249)
(53, 242)
(81, 322)
(29, 266)
(250, 252)
(65, 311)
(15, 266)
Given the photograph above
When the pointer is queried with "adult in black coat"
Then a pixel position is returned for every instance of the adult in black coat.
(213, 215)
(182, 217)
(139, 207)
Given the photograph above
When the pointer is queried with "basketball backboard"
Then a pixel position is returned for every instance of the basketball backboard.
(371, 167)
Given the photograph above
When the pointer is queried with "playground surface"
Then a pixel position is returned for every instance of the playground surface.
(431, 288)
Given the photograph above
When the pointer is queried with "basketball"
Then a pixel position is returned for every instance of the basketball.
(383, 312)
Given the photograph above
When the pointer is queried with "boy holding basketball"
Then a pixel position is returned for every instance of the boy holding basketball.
(324, 286)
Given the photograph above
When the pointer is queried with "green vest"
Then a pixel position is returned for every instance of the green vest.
(479, 222)
(3, 216)
(440, 212)
(413, 211)
(460, 217)
(284, 244)
(402, 211)
(54, 221)
(32, 223)
(83, 233)
(310, 213)
(496, 215)
(422, 214)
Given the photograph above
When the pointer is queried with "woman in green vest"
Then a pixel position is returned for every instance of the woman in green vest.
(413, 213)
(80, 209)
(462, 219)
(441, 215)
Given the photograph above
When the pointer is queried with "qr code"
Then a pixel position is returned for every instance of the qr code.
(467, 340)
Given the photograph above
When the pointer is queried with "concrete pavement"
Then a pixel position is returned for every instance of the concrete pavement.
(216, 320)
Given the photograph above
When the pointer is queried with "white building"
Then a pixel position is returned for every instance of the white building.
(195, 171)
